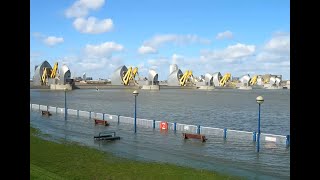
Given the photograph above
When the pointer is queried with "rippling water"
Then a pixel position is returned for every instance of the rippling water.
(224, 108)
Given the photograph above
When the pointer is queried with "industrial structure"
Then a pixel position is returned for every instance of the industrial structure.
(216, 78)
(244, 82)
(177, 78)
(124, 76)
(45, 75)
(40, 73)
(60, 78)
(226, 78)
(152, 81)
(153, 77)
(205, 82)
(253, 80)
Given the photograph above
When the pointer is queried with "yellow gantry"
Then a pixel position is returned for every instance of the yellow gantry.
(130, 75)
(253, 80)
(225, 79)
(134, 73)
(185, 77)
(54, 70)
(45, 75)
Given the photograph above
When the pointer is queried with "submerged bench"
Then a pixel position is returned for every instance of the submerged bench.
(100, 121)
(194, 136)
(107, 135)
(46, 113)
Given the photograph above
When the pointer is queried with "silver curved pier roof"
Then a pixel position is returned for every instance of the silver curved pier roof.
(275, 80)
(245, 78)
(208, 78)
(173, 67)
(173, 79)
(216, 78)
(116, 77)
(152, 76)
(259, 80)
(38, 72)
(64, 74)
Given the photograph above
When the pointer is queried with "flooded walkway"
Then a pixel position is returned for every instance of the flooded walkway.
(216, 154)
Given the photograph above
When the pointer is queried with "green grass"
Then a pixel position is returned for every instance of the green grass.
(51, 160)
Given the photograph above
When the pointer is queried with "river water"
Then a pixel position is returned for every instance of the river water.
(221, 108)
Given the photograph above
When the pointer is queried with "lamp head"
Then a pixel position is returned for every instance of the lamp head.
(135, 93)
(259, 99)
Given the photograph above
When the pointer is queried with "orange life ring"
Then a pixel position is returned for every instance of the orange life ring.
(164, 125)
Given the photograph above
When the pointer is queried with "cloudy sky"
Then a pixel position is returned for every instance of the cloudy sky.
(97, 36)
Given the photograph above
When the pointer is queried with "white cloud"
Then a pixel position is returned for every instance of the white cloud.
(147, 50)
(38, 35)
(159, 40)
(35, 54)
(92, 25)
(52, 40)
(89, 66)
(96, 67)
(142, 70)
(239, 59)
(177, 59)
(275, 54)
(230, 54)
(151, 45)
(158, 62)
(285, 63)
(271, 57)
(224, 35)
(102, 50)
(48, 40)
(280, 44)
(81, 8)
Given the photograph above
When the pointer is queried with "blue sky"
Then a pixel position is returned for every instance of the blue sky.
(97, 36)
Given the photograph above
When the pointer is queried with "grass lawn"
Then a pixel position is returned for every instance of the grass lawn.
(66, 160)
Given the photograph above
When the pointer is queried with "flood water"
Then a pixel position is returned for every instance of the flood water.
(223, 108)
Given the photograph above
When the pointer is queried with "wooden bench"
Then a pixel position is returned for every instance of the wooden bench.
(107, 135)
(194, 136)
(102, 122)
(46, 113)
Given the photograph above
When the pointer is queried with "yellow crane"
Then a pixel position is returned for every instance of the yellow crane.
(185, 77)
(134, 73)
(253, 80)
(54, 70)
(225, 79)
(129, 75)
(45, 74)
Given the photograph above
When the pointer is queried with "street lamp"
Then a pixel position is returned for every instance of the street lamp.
(65, 103)
(135, 93)
(259, 100)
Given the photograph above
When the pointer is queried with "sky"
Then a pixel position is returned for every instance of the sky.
(97, 36)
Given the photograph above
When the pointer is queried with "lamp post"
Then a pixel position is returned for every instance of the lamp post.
(259, 100)
(65, 104)
(135, 93)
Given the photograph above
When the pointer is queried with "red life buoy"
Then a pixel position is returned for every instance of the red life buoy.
(164, 125)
